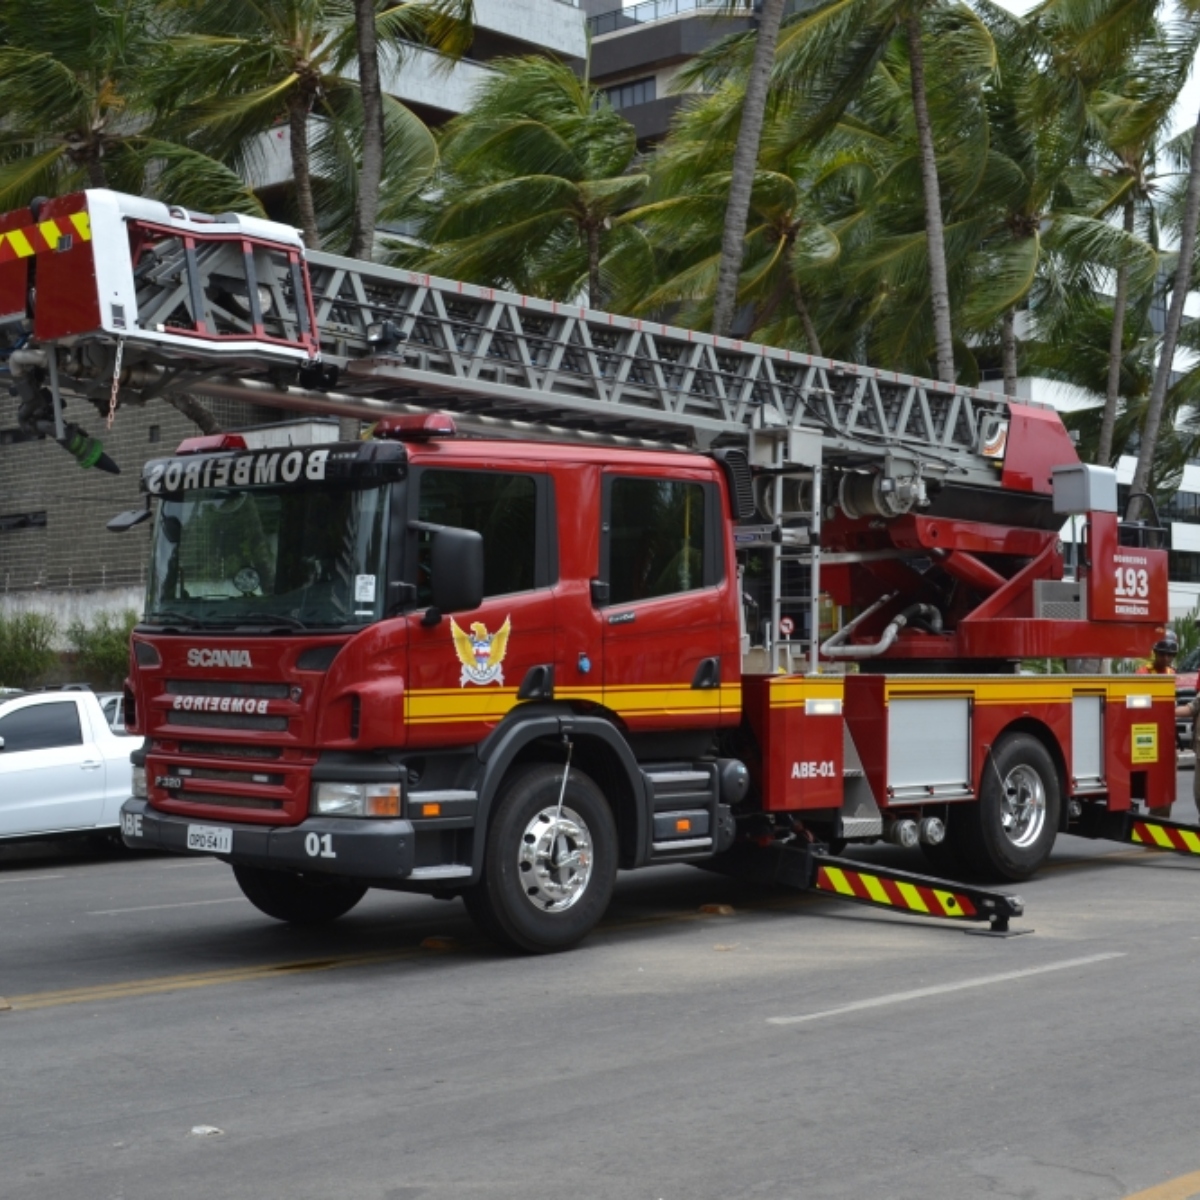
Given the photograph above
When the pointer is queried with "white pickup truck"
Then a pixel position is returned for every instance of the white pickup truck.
(62, 768)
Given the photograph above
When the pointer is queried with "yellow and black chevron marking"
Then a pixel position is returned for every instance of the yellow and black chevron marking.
(45, 237)
(873, 888)
(1166, 837)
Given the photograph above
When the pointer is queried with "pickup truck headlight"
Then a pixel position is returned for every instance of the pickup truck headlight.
(139, 783)
(356, 799)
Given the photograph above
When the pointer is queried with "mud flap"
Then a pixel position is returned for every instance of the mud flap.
(808, 868)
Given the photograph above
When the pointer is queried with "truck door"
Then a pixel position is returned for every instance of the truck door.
(465, 672)
(661, 565)
(51, 771)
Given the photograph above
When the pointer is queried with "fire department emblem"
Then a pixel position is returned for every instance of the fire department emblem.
(481, 653)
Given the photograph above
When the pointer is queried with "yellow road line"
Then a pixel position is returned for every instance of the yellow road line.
(178, 983)
(1182, 1188)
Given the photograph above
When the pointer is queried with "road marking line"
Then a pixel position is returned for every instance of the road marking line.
(28, 878)
(942, 988)
(1182, 1188)
(111, 912)
(177, 983)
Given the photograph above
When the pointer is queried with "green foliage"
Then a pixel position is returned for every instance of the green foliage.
(102, 648)
(26, 648)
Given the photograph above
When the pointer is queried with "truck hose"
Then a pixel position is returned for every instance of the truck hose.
(926, 614)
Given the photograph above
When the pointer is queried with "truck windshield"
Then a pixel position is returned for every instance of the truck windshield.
(294, 556)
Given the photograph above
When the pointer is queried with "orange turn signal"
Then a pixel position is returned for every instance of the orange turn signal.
(683, 826)
(431, 810)
(383, 800)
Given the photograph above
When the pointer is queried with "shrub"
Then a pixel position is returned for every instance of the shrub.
(26, 648)
(102, 648)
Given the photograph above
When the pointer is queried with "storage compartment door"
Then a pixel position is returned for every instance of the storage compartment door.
(929, 749)
(1087, 742)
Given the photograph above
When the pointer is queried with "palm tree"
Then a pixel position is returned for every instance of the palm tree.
(745, 162)
(73, 90)
(533, 175)
(443, 25)
(830, 54)
(235, 69)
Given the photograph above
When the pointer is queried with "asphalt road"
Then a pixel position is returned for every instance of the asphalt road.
(165, 1040)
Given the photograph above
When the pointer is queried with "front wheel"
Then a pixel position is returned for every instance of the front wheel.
(1010, 831)
(297, 899)
(548, 874)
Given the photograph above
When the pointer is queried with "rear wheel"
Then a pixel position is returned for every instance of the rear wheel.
(547, 875)
(1010, 831)
(297, 899)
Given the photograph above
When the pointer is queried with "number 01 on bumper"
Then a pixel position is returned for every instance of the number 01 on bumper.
(212, 839)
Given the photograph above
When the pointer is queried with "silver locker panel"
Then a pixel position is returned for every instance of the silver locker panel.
(929, 745)
(1087, 740)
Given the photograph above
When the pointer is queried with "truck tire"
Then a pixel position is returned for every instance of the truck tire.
(544, 888)
(297, 899)
(1010, 831)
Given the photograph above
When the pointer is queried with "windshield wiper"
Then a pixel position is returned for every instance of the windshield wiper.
(168, 617)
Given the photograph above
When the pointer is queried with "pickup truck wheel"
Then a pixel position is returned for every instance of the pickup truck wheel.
(297, 899)
(1010, 831)
(547, 877)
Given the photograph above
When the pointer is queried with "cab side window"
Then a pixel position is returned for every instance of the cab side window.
(660, 538)
(511, 512)
(41, 727)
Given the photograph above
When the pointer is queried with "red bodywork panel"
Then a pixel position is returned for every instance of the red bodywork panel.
(67, 298)
(1037, 443)
(802, 751)
(14, 268)
(1124, 583)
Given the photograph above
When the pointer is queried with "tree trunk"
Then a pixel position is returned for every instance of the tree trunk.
(1008, 350)
(366, 209)
(810, 330)
(1116, 353)
(745, 162)
(95, 170)
(939, 286)
(302, 175)
(592, 232)
(194, 410)
(1179, 291)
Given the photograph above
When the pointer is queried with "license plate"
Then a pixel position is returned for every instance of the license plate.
(213, 839)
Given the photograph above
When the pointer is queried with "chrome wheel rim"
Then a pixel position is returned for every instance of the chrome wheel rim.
(555, 859)
(1023, 806)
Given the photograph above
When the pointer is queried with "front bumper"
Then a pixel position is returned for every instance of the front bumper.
(382, 850)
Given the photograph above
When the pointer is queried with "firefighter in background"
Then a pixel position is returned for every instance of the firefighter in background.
(1163, 662)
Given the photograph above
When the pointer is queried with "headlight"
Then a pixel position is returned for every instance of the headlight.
(139, 783)
(356, 799)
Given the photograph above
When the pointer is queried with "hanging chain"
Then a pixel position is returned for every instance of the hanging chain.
(116, 386)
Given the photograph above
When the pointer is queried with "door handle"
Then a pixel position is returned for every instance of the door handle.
(90, 764)
(708, 674)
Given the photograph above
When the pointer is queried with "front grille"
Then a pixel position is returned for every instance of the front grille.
(226, 687)
(220, 800)
(231, 750)
(220, 720)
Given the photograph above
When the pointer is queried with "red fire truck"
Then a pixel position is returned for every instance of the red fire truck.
(595, 593)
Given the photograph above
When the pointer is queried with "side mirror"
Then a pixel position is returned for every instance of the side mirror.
(127, 520)
(457, 564)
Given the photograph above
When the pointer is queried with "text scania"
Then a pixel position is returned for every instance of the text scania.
(262, 468)
(224, 704)
(202, 657)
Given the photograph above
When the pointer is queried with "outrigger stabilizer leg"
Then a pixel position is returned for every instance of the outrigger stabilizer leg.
(807, 867)
(1138, 829)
